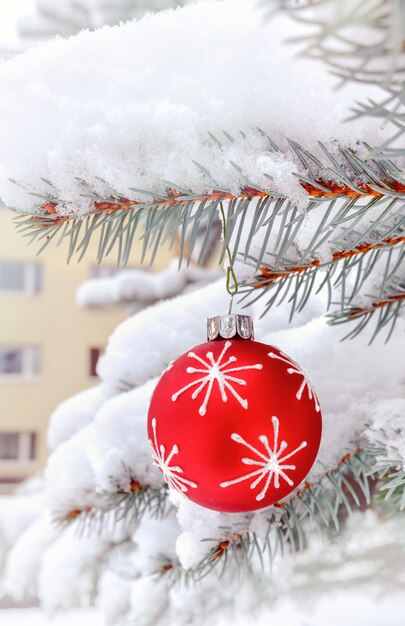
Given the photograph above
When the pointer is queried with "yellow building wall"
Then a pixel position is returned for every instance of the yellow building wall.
(64, 332)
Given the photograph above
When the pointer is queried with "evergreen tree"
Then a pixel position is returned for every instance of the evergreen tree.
(310, 228)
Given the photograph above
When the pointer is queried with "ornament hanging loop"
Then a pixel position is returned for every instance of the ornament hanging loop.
(232, 285)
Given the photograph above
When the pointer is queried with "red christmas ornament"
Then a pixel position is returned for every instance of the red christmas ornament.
(234, 424)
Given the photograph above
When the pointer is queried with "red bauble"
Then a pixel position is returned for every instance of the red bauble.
(234, 424)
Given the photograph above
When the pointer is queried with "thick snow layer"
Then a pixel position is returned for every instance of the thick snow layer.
(143, 346)
(66, 561)
(140, 286)
(350, 607)
(113, 596)
(69, 475)
(119, 450)
(73, 414)
(149, 600)
(133, 105)
(25, 559)
(155, 540)
(19, 512)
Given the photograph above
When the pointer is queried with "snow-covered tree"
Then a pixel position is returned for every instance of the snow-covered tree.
(150, 132)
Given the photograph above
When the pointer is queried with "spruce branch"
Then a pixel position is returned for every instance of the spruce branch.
(394, 488)
(120, 221)
(322, 505)
(385, 311)
(345, 273)
(129, 504)
(355, 210)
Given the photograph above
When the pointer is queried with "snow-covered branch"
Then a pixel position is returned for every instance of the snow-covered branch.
(137, 286)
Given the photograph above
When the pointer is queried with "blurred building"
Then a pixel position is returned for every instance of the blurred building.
(49, 347)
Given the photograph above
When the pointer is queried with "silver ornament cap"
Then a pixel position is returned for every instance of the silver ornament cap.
(229, 326)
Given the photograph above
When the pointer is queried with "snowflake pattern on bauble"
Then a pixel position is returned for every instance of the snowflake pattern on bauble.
(216, 370)
(270, 464)
(171, 473)
(306, 382)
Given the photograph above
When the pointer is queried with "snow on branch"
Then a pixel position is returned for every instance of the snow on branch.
(123, 114)
(137, 286)
(385, 308)
(345, 275)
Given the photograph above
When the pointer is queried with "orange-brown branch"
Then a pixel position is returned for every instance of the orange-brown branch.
(134, 486)
(272, 276)
(174, 197)
(379, 304)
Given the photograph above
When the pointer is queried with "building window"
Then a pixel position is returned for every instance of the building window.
(20, 447)
(94, 357)
(18, 361)
(20, 278)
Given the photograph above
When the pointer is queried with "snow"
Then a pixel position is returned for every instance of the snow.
(155, 539)
(17, 513)
(143, 346)
(149, 601)
(387, 427)
(73, 414)
(350, 607)
(119, 450)
(142, 287)
(69, 475)
(198, 525)
(113, 598)
(36, 617)
(66, 561)
(25, 559)
(111, 104)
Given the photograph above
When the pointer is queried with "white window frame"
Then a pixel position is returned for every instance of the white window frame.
(29, 357)
(24, 449)
(29, 279)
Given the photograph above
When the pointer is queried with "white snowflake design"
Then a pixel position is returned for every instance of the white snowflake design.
(216, 370)
(171, 473)
(270, 464)
(306, 382)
